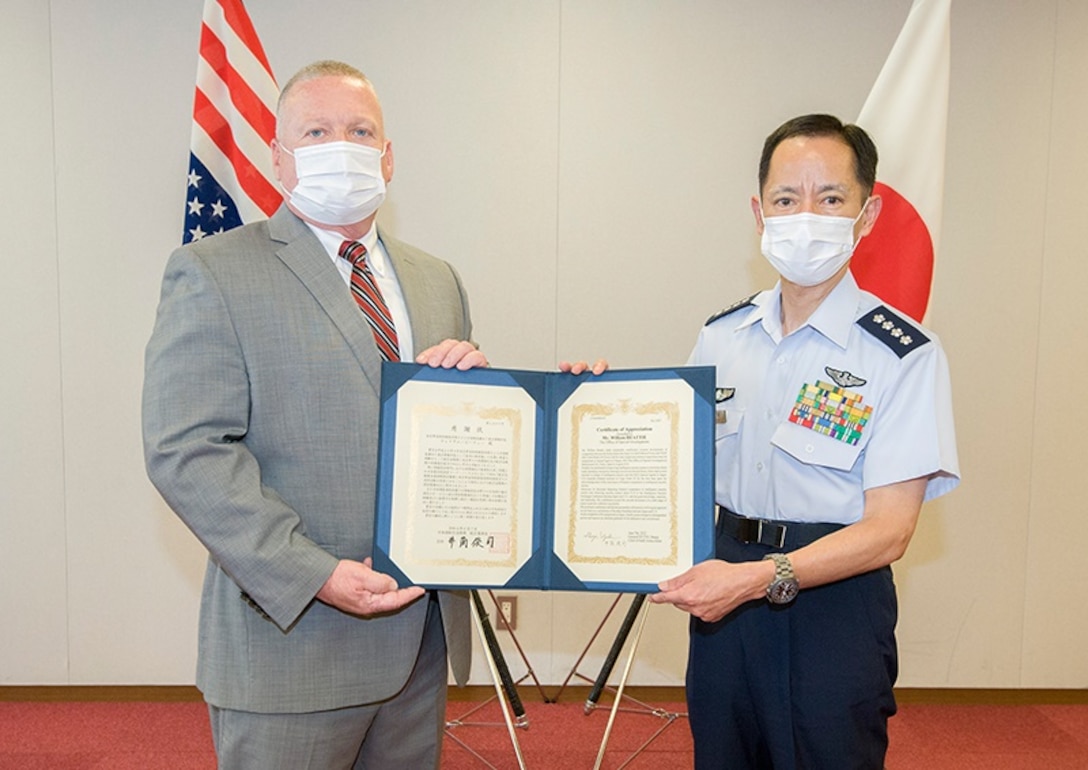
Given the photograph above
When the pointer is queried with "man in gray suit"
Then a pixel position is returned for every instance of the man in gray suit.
(260, 415)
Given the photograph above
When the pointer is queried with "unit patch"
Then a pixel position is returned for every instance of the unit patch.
(900, 335)
(832, 411)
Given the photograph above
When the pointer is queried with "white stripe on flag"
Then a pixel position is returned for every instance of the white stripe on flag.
(252, 144)
(239, 55)
(906, 113)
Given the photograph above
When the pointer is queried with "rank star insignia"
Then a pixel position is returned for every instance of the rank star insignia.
(843, 378)
(899, 334)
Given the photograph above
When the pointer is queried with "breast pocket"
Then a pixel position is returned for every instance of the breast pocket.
(811, 448)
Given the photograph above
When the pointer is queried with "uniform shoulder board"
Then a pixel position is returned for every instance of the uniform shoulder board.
(899, 334)
(731, 309)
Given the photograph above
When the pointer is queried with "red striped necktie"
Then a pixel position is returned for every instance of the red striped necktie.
(365, 290)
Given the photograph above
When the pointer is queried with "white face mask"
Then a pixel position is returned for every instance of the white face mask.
(339, 183)
(807, 249)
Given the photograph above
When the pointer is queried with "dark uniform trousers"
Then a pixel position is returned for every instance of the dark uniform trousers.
(802, 686)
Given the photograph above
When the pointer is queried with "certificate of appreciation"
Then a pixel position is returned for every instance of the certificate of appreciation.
(520, 479)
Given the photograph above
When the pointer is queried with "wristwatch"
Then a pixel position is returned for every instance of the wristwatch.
(784, 588)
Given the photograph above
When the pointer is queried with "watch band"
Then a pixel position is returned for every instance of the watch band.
(784, 588)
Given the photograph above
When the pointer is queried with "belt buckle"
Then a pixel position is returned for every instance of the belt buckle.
(778, 530)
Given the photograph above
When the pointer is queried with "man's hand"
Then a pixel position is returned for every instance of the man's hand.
(357, 589)
(453, 353)
(712, 589)
(578, 367)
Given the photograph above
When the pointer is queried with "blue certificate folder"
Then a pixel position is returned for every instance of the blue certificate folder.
(578, 516)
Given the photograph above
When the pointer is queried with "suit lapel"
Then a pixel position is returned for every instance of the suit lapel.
(410, 277)
(304, 256)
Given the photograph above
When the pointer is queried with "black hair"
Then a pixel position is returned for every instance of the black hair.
(853, 136)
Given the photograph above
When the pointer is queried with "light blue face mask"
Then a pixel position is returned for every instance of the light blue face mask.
(808, 249)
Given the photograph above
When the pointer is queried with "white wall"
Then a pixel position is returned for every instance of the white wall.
(587, 165)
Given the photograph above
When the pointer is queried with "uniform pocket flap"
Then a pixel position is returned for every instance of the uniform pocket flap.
(812, 448)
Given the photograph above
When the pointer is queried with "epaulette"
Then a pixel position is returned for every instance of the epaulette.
(731, 309)
(900, 335)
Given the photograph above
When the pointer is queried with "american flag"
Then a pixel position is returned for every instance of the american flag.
(230, 165)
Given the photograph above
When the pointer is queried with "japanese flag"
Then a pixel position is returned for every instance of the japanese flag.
(906, 114)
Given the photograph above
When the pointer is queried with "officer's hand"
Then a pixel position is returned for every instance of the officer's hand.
(712, 589)
(599, 367)
(450, 353)
(357, 589)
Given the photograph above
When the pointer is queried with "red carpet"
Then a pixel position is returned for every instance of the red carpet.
(1037, 737)
(175, 736)
(561, 735)
(105, 736)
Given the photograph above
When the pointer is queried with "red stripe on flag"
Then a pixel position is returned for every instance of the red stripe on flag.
(248, 104)
(238, 19)
(252, 181)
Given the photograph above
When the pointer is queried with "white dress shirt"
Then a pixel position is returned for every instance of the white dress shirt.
(382, 269)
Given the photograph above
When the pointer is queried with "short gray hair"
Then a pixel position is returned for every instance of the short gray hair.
(321, 69)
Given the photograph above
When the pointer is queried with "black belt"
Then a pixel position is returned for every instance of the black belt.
(776, 534)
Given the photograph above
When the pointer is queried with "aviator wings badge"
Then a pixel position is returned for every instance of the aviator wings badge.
(844, 379)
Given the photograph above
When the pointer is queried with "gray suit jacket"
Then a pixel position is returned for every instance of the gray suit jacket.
(260, 416)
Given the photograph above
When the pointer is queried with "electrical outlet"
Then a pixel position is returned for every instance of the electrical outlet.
(508, 609)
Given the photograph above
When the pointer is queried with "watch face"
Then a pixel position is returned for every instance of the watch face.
(783, 591)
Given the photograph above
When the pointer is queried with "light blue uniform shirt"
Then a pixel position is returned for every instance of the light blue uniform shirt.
(859, 397)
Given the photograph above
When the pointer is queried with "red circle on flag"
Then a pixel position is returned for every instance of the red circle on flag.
(895, 260)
